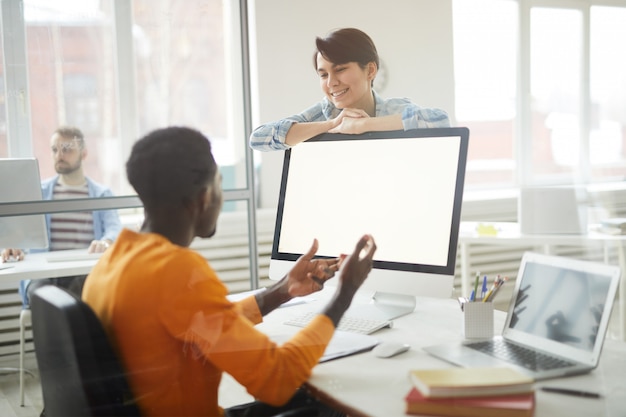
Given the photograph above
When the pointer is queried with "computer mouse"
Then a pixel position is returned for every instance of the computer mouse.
(390, 349)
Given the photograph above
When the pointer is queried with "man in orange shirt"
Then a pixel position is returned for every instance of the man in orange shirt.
(166, 311)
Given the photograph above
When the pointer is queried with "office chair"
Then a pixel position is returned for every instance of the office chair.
(79, 370)
(80, 373)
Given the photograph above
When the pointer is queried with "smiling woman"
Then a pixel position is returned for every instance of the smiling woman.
(347, 64)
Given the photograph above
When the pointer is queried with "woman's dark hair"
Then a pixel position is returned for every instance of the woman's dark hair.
(170, 166)
(347, 45)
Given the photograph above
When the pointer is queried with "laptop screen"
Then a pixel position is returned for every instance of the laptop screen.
(27, 232)
(562, 304)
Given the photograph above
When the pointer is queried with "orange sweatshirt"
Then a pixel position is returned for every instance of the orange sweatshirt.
(167, 314)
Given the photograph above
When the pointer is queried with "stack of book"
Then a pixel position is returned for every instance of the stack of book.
(469, 392)
(613, 226)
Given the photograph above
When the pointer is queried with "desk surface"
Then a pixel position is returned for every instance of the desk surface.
(39, 265)
(366, 385)
(370, 386)
(503, 232)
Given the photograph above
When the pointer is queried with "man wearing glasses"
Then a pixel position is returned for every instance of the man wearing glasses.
(93, 230)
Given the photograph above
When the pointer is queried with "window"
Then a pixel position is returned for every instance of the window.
(4, 151)
(541, 87)
(180, 61)
(118, 69)
(72, 79)
(81, 102)
(555, 92)
(485, 62)
(608, 94)
(183, 74)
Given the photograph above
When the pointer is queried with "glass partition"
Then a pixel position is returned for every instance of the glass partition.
(116, 70)
(186, 72)
(72, 78)
(4, 151)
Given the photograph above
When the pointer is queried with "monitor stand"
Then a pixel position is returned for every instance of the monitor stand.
(384, 306)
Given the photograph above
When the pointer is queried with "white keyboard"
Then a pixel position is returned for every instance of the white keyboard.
(352, 324)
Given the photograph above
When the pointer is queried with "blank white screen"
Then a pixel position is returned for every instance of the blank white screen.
(400, 190)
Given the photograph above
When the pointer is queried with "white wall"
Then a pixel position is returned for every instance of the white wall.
(413, 38)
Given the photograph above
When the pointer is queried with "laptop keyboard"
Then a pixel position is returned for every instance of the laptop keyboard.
(519, 355)
(352, 324)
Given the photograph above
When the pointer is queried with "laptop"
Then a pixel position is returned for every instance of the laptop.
(557, 319)
(25, 186)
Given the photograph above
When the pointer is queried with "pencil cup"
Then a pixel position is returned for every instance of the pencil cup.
(478, 320)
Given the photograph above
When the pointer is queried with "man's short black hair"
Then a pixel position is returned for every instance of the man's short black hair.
(170, 166)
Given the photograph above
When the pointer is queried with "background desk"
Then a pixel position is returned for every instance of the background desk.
(34, 266)
(365, 385)
(509, 234)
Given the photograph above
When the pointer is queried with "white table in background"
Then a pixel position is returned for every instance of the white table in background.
(39, 265)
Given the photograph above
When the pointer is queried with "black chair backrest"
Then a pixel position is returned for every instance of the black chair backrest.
(79, 370)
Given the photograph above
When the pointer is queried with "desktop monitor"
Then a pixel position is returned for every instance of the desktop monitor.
(405, 188)
(21, 183)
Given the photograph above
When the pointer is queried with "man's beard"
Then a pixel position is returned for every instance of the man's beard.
(66, 168)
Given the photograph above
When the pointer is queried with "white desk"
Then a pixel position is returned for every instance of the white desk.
(509, 234)
(364, 385)
(368, 386)
(36, 265)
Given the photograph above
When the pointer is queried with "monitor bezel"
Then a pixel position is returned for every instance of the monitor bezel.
(449, 268)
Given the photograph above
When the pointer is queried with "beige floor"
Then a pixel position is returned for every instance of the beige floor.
(10, 389)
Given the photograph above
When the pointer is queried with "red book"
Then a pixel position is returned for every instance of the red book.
(518, 405)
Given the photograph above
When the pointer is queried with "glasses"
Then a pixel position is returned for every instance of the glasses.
(66, 148)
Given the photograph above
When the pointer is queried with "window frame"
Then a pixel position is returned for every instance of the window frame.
(524, 124)
(523, 171)
(19, 135)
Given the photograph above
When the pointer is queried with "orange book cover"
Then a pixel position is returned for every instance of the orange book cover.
(519, 405)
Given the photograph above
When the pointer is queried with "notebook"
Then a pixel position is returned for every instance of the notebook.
(558, 317)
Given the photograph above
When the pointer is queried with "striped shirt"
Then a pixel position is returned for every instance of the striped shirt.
(72, 230)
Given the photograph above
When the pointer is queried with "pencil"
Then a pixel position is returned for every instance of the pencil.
(574, 392)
